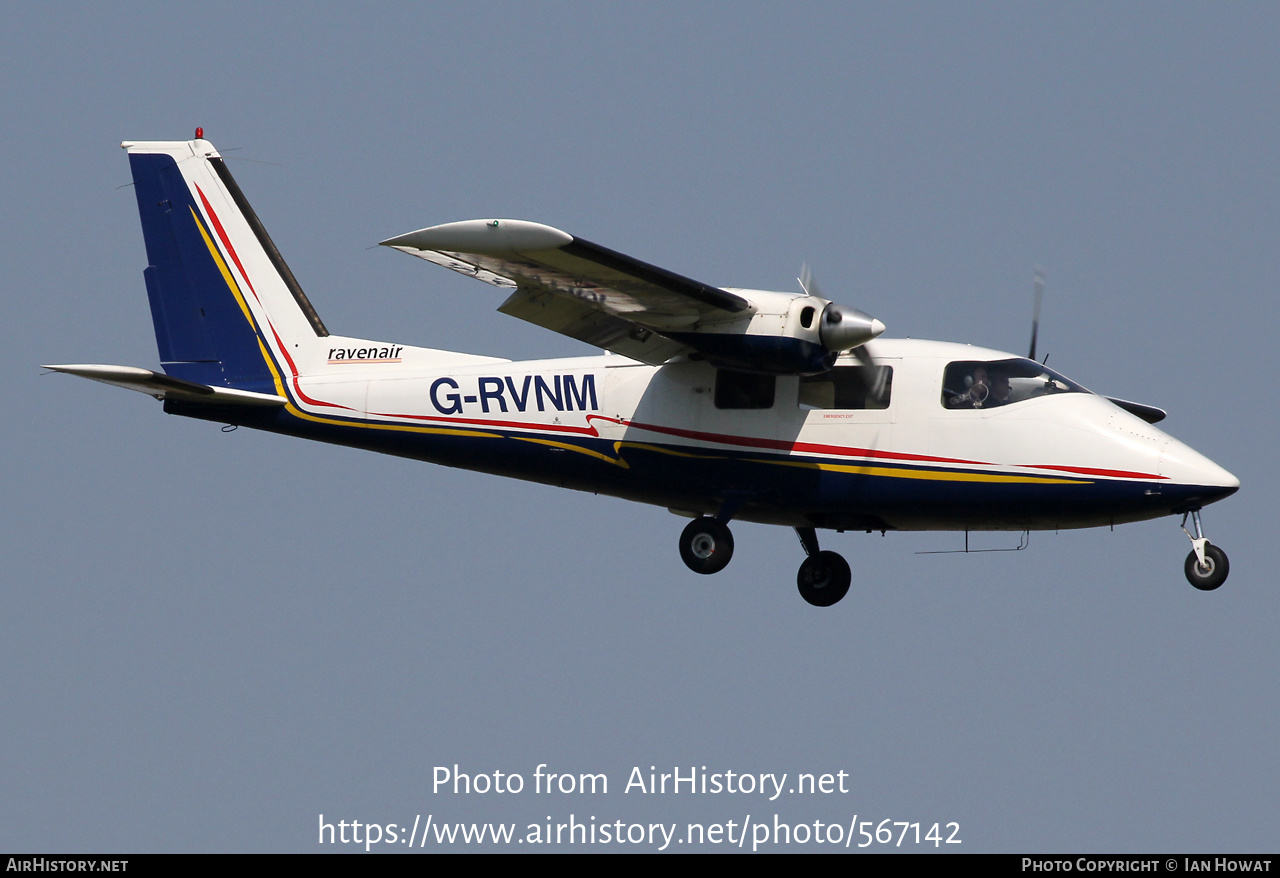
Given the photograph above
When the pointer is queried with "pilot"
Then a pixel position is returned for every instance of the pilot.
(975, 395)
(987, 389)
(999, 390)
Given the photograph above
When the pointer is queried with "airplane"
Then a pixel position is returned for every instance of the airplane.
(718, 403)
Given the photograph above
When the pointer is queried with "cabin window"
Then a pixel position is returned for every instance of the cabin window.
(744, 390)
(848, 387)
(979, 384)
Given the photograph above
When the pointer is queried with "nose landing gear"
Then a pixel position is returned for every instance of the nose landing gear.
(1206, 567)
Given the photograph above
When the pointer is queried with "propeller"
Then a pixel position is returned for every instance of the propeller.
(840, 327)
(840, 324)
(1038, 297)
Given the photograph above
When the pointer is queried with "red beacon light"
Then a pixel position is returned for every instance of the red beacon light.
(199, 134)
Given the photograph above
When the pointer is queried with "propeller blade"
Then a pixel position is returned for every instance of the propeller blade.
(808, 282)
(1038, 284)
(877, 387)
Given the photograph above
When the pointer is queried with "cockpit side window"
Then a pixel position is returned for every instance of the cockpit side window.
(985, 384)
(848, 387)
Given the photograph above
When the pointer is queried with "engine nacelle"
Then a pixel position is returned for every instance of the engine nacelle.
(785, 334)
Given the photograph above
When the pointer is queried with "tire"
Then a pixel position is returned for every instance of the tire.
(1212, 574)
(706, 546)
(824, 579)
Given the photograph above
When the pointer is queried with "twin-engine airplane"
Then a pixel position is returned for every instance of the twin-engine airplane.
(721, 404)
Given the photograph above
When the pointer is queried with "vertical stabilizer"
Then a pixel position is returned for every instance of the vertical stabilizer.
(223, 301)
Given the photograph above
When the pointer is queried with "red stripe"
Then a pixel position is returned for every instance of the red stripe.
(293, 369)
(235, 257)
(559, 428)
(809, 447)
(226, 242)
(846, 451)
(1091, 471)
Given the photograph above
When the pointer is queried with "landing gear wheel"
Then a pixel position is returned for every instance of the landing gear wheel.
(706, 546)
(1212, 573)
(824, 578)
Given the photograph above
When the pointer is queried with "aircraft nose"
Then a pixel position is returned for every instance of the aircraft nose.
(1224, 482)
(1231, 483)
(1188, 467)
(1211, 475)
(1213, 493)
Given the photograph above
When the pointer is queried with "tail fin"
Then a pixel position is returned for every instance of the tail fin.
(222, 299)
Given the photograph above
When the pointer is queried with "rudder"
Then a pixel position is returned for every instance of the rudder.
(222, 299)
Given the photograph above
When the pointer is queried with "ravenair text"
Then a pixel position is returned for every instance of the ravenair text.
(496, 394)
(383, 354)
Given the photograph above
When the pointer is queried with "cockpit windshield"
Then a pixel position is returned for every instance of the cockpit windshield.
(984, 384)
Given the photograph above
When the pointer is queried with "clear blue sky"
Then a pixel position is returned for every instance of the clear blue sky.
(208, 639)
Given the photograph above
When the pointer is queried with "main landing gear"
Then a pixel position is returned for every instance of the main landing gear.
(1206, 566)
(706, 546)
(824, 577)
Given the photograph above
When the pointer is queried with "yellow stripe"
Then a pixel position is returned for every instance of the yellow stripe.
(234, 287)
(935, 475)
(569, 447)
(658, 449)
(222, 267)
(887, 472)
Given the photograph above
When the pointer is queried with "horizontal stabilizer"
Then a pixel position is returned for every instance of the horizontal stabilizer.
(163, 386)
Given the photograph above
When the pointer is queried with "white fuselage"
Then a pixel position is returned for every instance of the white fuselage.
(609, 407)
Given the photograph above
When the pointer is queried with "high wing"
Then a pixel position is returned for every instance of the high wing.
(578, 288)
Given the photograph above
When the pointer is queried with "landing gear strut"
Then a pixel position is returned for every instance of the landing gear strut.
(706, 545)
(1206, 566)
(824, 577)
